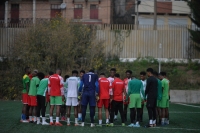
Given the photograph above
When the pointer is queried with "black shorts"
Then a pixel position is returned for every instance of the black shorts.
(151, 103)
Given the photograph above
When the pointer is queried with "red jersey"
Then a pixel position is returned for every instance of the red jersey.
(118, 89)
(55, 85)
(104, 86)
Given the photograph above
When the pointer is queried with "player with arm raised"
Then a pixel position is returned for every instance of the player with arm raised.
(89, 80)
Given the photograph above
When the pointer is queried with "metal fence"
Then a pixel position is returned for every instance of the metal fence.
(126, 42)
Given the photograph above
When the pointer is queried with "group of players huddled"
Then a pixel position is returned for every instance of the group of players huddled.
(115, 94)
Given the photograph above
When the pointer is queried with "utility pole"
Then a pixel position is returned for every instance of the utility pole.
(155, 15)
(137, 13)
(6, 14)
(34, 8)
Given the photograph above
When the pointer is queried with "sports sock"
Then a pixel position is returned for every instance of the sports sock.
(79, 115)
(150, 122)
(34, 118)
(107, 120)
(115, 117)
(57, 119)
(163, 120)
(51, 118)
(38, 118)
(43, 119)
(68, 120)
(76, 120)
(30, 118)
(137, 123)
(100, 122)
(154, 121)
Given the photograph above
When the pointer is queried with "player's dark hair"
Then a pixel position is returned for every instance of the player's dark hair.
(129, 71)
(40, 75)
(155, 73)
(66, 77)
(82, 71)
(113, 69)
(50, 73)
(102, 74)
(74, 72)
(165, 74)
(26, 68)
(117, 75)
(91, 70)
(143, 73)
(150, 70)
(162, 73)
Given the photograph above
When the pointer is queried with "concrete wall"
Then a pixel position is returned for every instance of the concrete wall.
(185, 96)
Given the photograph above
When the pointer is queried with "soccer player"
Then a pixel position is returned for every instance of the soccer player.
(164, 103)
(41, 93)
(32, 102)
(126, 80)
(82, 72)
(26, 82)
(111, 79)
(159, 97)
(72, 96)
(151, 94)
(144, 82)
(135, 89)
(118, 87)
(56, 92)
(104, 98)
(89, 80)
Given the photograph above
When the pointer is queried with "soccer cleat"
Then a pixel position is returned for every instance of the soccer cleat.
(111, 125)
(76, 124)
(82, 124)
(100, 125)
(149, 126)
(131, 125)
(45, 123)
(30, 121)
(51, 123)
(92, 125)
(24, 121)
(107, 124)
(58, 124)
(63, 118)
(68, 123)
(136, 125)
(123, 124)
(38, 122)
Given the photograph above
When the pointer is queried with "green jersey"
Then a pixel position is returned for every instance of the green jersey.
(165, 87)
(42, 87)
(135, 86)
(25, 81)
(159, 97)
(34, 86)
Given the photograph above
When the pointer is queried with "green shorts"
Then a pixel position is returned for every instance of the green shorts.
(55, 100)
(135, 101)
(163, 103)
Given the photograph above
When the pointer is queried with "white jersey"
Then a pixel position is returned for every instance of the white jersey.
(144, 86)
(111, 81)
(65, 88)
(72, 86)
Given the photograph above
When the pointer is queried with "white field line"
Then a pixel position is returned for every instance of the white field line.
(188, 105)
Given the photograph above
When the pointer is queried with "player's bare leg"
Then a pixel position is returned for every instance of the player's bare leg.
(34, 113)
(68, 115)
(163, 116)
(76, 115)
(107, 116)
(100, 116)
(166, 116)
(30, 114)
(51, 114)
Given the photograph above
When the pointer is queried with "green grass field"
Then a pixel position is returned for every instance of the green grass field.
(183, 119)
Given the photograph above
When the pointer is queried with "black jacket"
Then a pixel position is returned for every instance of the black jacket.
(151, 88)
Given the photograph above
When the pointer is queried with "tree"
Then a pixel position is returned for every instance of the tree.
(195, 18)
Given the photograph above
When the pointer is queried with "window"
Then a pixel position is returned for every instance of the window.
(94, 12)
(78, 11)
(55, 10)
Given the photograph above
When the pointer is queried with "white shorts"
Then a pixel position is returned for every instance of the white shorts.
(72, 101)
